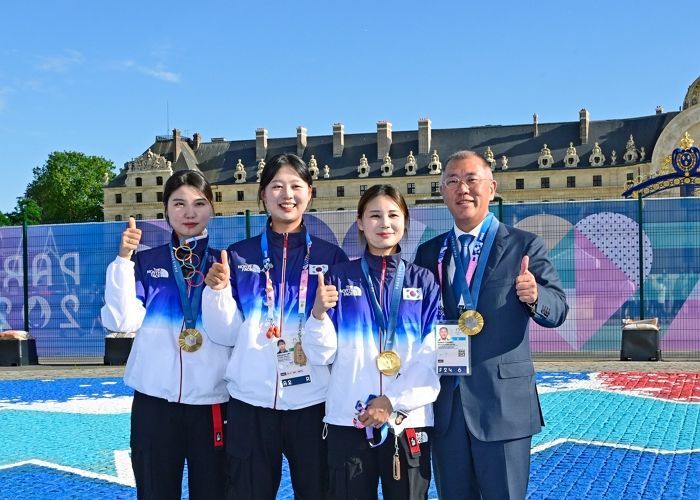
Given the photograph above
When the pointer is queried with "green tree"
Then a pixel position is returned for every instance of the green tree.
(68, 187)
(25, 208)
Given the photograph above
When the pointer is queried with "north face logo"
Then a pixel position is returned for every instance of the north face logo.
(351, 291)
(251, 268)
(158, 272)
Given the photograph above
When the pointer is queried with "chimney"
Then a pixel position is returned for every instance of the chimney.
(383, 139)
(535, 125)
(424, 136)
(196, 140)
(301, 141)
(583, 125)
(260, 144)
(176, 144)
(659, 110)
(338, 139)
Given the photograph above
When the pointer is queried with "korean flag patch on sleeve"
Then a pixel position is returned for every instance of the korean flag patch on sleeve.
(412, 294)
(318, 268)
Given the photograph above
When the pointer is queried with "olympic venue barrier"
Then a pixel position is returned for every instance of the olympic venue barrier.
(616, 259)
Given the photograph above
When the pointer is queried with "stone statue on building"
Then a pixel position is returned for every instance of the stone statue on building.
(239, 175)
(313, 167)
(504, 162)
(326, 172)
(411, 167)
(631, 154)
(545, 159)
(435, 166)
(571, 158)
(261, 166)
(363, 167)
(387, 166)
(488, 156)
(597, 158)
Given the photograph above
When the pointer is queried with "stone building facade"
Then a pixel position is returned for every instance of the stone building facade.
(578, 160)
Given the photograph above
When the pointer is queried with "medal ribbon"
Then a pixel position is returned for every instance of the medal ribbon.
(477, 264)
(303, 281)
(390, 329)
(190, 305)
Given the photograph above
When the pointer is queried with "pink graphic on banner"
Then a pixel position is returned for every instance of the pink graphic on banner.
(601, 289)
(679, 335)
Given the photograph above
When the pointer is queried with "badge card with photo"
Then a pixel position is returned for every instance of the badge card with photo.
(453, 349)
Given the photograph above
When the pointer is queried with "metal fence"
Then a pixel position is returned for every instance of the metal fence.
(609, 268)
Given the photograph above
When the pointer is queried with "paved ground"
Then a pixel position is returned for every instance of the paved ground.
(615, 430)
(80, 370)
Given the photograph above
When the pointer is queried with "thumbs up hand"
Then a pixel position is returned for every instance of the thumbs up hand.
(525, 284)
(219, 273)
(326, 297)
(130, 239)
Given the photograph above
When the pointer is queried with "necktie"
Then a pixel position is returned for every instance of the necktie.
(465, 240)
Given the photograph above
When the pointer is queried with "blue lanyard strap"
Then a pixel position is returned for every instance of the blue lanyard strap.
(390, 330)
(190, 305)
(482, 247)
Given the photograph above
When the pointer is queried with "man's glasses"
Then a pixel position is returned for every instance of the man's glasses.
(453, 182)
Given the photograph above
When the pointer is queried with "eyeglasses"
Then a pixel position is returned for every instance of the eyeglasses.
(453, 182)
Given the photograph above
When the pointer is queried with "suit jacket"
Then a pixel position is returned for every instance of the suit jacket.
(500, 398)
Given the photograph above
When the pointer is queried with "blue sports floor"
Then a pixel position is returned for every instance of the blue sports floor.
(608, 435)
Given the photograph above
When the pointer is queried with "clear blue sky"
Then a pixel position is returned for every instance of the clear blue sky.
(98, 77)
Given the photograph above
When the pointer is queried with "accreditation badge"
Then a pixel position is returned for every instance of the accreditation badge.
(190, 340)
(291, 362)
(453, 348)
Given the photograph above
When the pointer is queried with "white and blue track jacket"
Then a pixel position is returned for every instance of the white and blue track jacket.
(141, 296)
(348, 338)
(238, 313)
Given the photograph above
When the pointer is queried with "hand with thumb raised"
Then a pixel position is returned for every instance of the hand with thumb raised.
(130, 239)
(326, 297)
(525, 284)
(219, 274)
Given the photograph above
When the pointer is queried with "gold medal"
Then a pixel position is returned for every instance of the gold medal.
(471, 322)
(389, 363)
(190, 340)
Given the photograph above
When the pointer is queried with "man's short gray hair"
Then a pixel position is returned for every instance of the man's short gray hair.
(464, 154)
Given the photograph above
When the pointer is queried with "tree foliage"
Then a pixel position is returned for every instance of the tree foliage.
(67, 188)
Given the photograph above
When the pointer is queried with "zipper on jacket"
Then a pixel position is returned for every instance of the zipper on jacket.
(282, 284)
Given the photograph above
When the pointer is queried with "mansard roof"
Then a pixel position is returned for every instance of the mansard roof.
(217, 159)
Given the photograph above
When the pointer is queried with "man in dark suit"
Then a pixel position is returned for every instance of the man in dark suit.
(484, 422)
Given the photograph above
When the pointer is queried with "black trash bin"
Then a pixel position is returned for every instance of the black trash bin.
(640, 341)
(117, 350)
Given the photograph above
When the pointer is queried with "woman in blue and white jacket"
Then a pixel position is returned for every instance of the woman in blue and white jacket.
(380, 341)
(176, 371)
(259, 304)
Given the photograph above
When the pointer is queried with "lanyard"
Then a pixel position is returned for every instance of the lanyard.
(390, 329)
(303, 281)
(190, 305)
(474, 274)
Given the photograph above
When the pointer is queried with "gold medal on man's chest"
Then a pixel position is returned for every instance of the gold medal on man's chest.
(471, 322)
(389, 363)
(190, 340)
